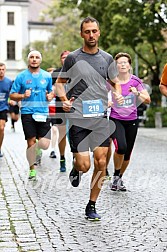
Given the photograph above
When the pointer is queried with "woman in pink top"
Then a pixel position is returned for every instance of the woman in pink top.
(125, 117)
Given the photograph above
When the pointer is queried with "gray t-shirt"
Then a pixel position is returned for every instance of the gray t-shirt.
(87, 75)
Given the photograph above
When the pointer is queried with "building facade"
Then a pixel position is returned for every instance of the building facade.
(20, 25)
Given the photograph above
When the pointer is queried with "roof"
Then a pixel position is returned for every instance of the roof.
(35, 10)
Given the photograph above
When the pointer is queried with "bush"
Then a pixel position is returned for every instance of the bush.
(164, 117)
(150, 115)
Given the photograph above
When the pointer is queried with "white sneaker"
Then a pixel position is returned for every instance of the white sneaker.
(121, 186)
(114, 184)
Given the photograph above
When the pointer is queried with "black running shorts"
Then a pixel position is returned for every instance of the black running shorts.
(88, 134)
(3, 115)
(32, 128)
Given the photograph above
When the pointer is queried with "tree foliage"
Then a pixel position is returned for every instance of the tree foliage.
(64, 34)
(134, 25)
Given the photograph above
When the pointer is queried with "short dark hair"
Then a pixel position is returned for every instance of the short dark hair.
(122, 54)
(87, 20)
(2, 64)
(64, 52)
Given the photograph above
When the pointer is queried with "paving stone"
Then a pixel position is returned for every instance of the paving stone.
(8, 244)
(11, 250)
(49, 215)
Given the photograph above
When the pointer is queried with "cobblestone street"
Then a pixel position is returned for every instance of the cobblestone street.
(48, 214)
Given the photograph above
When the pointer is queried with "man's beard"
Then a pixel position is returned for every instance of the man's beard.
(34, 67)
(91, 45)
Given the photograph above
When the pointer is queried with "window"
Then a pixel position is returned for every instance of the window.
(10, 16)
(11, 50)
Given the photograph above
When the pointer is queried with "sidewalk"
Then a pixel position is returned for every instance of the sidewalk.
(48, 215)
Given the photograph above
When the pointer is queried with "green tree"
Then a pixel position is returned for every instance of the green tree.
(64, 34)
(136, 24)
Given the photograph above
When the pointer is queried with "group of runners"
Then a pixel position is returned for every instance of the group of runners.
(80, 88)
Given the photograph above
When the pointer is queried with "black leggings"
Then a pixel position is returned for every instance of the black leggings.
(124, 136)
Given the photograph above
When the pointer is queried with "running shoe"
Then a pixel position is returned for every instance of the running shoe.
(32, 174)
(75, 177)
(108, 177)
(121, 186)
(1, 155)
(13, 128)
(38, 160)
(52, 154)
(90, 213)
(63, 165)
(114, 185)
(38, 156)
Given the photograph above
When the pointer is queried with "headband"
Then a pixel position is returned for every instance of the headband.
(35, 52)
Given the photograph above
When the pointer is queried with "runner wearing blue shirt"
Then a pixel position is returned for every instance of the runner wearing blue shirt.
(5, 86)
(33, 87)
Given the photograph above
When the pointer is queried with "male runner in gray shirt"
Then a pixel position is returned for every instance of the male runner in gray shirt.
(86, 71)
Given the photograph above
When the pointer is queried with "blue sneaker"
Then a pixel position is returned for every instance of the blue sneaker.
(1, 155)
(90, 213)
(63, 165)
